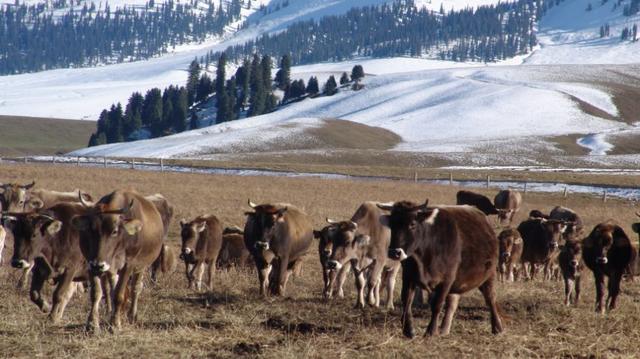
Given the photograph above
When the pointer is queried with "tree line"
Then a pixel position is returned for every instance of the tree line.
(34, 38)
(250, 91)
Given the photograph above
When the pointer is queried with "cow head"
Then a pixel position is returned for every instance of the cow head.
(407, 221)
(537, 214)
(30, 232)
(266, 218)
(503, 216)
(13, 197)
(572, 231)
(102, 232)
(346, 243)
(553, 230)
(636, 226)
(508, 239)
(190, 233)
(601, 240)
(324, 236)
(571, 253)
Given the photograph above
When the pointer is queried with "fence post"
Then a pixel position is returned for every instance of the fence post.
(133, 164)
(415, 176)
(604, 196)
(161, 165)
(450, 179)
(53, 159)
(26, 159)
(488, 181)
(78, 161)
(565, 192)
(525, 187)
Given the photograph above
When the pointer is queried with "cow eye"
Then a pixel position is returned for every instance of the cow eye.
(114, 233)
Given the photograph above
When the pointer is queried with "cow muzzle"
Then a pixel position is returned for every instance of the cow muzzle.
(334, 265)
(186, 255)
(327, 253)
(19, 263)
(602, 260)
(397, 254)
(98, 267)
(262, 245)
(506, 255)
(574, 263)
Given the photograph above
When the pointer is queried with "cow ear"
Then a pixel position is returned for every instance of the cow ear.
(636, 227)
(429, 216)
(81, 223)
(317, 234)
(518, 240)
(183, 222)
(132, 226)
(53, 227)
(280, 214)
(363, 240)
(36, 203)
(201, 226)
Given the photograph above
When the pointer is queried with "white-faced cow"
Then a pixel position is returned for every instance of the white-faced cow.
(477, 200)
(448, 250)
(510, 252)
(541, 239)
(122, 224)
(507, 203)
(201, 244)
(607, 252)
(48, 240)
(278, 236)
(363, 241)
(570, 261)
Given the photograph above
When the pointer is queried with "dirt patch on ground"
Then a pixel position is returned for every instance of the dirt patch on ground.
(569, 145)
(351, 135)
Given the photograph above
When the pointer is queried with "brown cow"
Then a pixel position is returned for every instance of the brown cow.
(364, 242)
(570, 261)
(166, 261)
(537, 214)
(477, 200)
(571, 219)
(449, 250)
(510, 252)
(14, 196)
(233, 251)
(278, 236)
(541, 239)
(333, 279)
(507, 203)
(3, 236)
(122, 224)
(48, 240)
(607, 251)
(43, 198)
(201, 243)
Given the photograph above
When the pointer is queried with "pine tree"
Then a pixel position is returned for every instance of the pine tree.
(313, 88)
(258, 93)
(193, 81)
(204, 89)
(167, 110)
(193, 121)
(330, 87)
(180, 109)
(266, 72)
(114, 124)
(357, 73)
(283, 76)
(152, 111)
(133, 114)
(344, 79)
(222, 99)
(243, 80)
(271, 103)
(232, 98)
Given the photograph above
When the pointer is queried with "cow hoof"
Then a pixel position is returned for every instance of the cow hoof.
(45, 308)
(93, 328)
(409, 333)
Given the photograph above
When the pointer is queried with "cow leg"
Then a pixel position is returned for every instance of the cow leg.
(340, 278)
(95, 295)
(263, 277)
(61, 296)
(199, 269)
(211, 268)
(577, 290)
(375, 274)
(136, 285)
(24, 278)
(614, 288)
(449, 311)
(281, 278)
(488, 291)
(568, 288)
(119, 297)
(510, 270)
(599, 278)
(35, 292)
(391, 285)
(437, 301)
(408, 292)
(360, 286)
(190, 270)
(327, 281)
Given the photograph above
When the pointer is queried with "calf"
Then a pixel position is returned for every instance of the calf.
(122, 224)
(510, 243)
(333, 279)
(541, 239)
(571, 219)
(570, 261)
(507, 203)
(607, 252)
(448, 250)
(364, 242)
(166, 261)
(201, 243)
(278, 236)
(233, 251)
(477, 200)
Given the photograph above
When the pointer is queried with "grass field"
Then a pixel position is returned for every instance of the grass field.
(21, 136)
(231, 320)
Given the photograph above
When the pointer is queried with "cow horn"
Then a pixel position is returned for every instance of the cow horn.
(251, 204)
(422, 206)
(387, 206)
(81, 198)
(123, 210)
(46, 216)
(354, 224)
(638, 214)
(331, 221)
(28, 186)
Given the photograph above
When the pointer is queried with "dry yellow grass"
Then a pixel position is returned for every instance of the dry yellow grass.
(231, 320)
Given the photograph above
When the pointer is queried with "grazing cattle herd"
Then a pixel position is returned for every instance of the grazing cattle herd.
(68, 240)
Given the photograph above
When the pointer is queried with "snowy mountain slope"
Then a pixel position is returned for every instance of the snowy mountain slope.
(452, 110)
(569, 34)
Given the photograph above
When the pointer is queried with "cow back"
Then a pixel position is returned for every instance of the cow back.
(368, 218)
(508, 199)
(295, 233)
(477, 200)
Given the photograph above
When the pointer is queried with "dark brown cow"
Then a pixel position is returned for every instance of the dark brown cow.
(607, 252)
(537, 214)
(477, 200)
(571, 219)
(570, 261)
(233, 251)
(448, 250)
(166, 261)
(507, 203)
(363, 241)
(510, 252)
(50, 241)
(333, 279)
(123, 224)
(201, 244)
(278, 236)
(541, 239)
